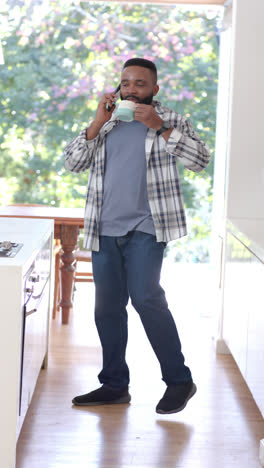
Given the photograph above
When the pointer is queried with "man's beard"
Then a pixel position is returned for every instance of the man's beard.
(147, 100)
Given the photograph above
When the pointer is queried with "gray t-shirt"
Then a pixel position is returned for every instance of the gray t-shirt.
(125, 202)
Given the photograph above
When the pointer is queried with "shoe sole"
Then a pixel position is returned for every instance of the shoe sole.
(177, 410)
(118, 401)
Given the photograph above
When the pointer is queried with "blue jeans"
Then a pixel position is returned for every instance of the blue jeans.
(129, 266)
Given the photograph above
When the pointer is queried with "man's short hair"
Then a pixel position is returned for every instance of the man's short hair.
(141, 62)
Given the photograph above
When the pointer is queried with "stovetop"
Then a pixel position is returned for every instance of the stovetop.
(9, 249)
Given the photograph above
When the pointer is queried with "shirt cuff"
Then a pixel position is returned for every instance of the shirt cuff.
(175, 136)
(82, 136)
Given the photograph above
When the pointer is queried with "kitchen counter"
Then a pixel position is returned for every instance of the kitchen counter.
(250, 232)
(242, 318)
(67, 223)
(25, 301)
(28, 232)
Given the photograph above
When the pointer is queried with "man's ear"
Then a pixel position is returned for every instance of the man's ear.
(155, 90)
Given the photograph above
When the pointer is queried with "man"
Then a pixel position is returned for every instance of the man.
(134, 207)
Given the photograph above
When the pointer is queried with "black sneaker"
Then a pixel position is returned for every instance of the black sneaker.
(103, 396)
(176, 398)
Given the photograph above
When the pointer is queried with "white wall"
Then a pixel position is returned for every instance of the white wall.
(245, 180)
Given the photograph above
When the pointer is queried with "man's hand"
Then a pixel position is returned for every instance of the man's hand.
(102, 114)
(148, 116)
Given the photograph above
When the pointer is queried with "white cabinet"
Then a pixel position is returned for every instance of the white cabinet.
(34, 326)
(255, 348)
(25, 310)
(243, 312)
(34, 353)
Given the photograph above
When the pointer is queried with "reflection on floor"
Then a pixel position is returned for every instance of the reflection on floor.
(220, 427)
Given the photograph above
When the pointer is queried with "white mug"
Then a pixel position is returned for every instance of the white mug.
(126, 111)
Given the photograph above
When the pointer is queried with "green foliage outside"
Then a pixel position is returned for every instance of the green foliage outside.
(61, 56)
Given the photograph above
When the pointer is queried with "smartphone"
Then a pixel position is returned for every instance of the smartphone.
(116, 91)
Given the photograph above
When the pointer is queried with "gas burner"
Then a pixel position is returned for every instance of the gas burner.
(9, 249)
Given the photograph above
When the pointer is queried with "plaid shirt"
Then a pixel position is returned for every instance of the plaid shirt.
(163, 184)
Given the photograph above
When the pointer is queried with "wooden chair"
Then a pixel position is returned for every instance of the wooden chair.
(79, 276)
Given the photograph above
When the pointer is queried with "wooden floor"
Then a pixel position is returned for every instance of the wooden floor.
(220, 427)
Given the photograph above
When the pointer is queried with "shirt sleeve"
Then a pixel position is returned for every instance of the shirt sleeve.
(79, 152)
(186, 145)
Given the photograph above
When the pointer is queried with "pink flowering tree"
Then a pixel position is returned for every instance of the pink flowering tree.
(61, 56)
